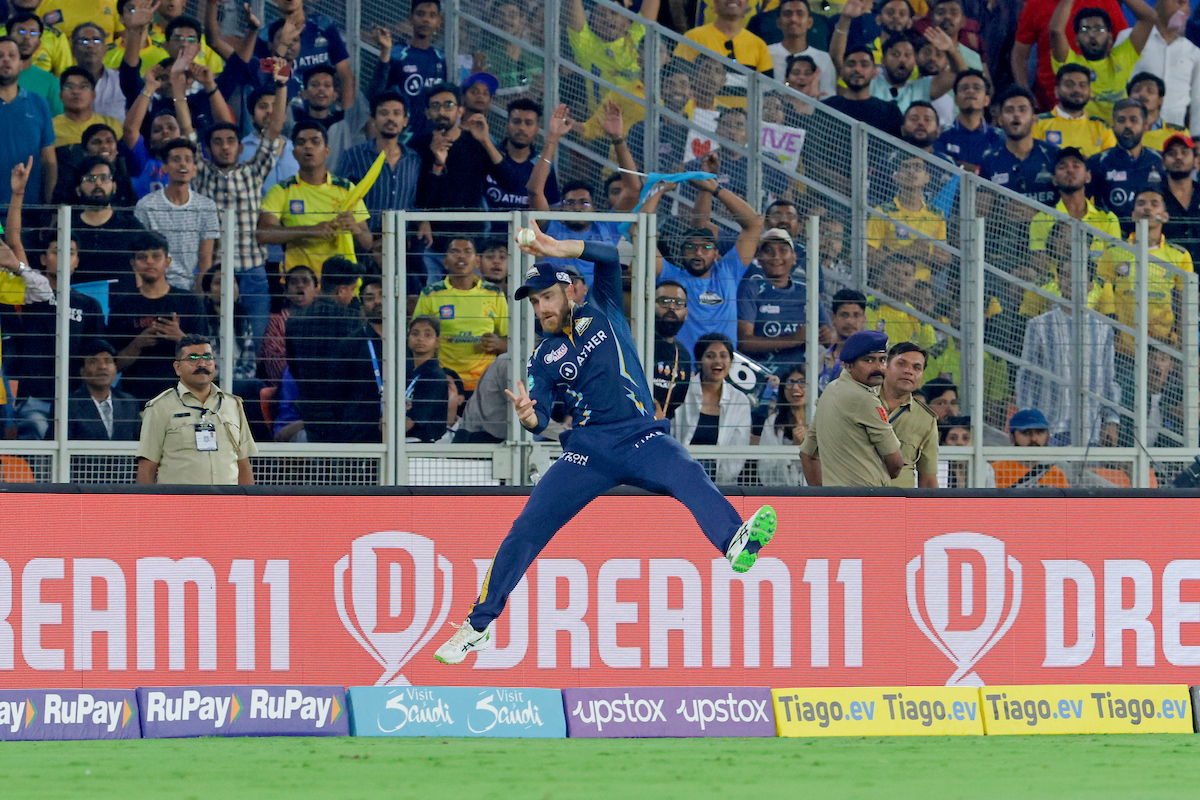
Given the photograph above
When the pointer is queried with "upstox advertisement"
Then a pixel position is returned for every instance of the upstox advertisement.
(904, 711)
(1086, 709)
(298, 590)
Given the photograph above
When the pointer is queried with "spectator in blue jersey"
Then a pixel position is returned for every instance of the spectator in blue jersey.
(712, 280)
(507, 186)
(318, 99)
(320, 42)
(772, 311)
(413, 68)
(1120, 172)
(970, 136)
(396, 187)
(578, 197)
(1024, 164)
(141, 153)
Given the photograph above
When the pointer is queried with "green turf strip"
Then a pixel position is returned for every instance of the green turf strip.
(1159, 766)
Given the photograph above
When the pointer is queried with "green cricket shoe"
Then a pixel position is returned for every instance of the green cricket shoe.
(759, 528)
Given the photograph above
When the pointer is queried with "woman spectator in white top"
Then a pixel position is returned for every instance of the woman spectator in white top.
(785, 426)
(714, 412)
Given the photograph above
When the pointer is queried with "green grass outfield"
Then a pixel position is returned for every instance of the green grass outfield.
(1126, 766)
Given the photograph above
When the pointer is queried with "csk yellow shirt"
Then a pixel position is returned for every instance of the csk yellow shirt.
(66, 14)
(899, 325)
(1104, 221)
(1112, 75)
(1117, 271)
(465, 316)
(54, 53)
(886, 234)
(68, 131)
(615, 62)
(1033, 304)
(748, 49)
(1156, 138)
(295, 202)
(1090, 134)
(708, 11)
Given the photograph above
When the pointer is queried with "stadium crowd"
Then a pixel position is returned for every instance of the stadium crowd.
(153, 118)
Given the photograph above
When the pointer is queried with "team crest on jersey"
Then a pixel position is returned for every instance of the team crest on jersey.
(296, 206)
(1154, 177)
(1116, 175)
(1054, 137)
(880, 325)
(409, 68)
(56, 17)
(711, 299)
(1123, 269)
(446, 312)
(556, 355)
(320, 42)
(581, 325)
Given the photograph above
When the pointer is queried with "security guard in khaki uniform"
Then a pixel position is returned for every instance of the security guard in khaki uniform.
(194, 432)
(856, 444)
(915, 425)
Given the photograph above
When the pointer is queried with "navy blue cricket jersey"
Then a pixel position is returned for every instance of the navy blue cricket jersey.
(1033, 177)
(1117, 177)
(411, 71)
(594, 367)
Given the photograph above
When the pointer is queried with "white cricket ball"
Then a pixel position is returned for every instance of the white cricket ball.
(526, 237)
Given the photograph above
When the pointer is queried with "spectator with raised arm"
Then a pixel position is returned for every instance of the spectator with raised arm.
(606, 42)
(854, 97)
(412, 68)
(320, 42)
(508, 184)
(1033, 29)
(1110, 62)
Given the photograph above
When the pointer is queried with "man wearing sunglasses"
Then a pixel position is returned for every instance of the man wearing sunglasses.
(194, 432)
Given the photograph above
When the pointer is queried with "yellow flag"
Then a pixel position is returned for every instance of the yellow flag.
(364, 186)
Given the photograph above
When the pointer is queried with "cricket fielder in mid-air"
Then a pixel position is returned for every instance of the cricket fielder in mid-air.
(589, 359)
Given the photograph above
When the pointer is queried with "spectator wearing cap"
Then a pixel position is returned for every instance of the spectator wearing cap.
(1028, 428)
(1024, 164)
(1119, 172)
(318, 98)
(1107, 60)
(1072, 177)
(1068, 124)
(412, 68)
(396, 187)
(854, 97)
(78, 95)
(849, 308)
(1149, 89)
(772, 310)
(1051, 373)
(96, 411)
(1183, 193)
(477, 93)
(850, 441)
(473, 313)
(712, 280)
(970, 136)
(907, 223)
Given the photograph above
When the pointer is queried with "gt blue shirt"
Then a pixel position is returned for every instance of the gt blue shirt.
(775, 311)
(1117, 177)
(411, 71)
(25, 128)
(967, 146)
(606, 232)
(320, 43)
(506, 189)
(593, 368)
(1033, 177)
(712, 301)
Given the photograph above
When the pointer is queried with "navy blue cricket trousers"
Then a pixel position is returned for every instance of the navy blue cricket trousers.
(638, 453)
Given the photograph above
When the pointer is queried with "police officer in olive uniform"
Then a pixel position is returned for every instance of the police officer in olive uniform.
(194, 432)
(915, 425)
(850, 441)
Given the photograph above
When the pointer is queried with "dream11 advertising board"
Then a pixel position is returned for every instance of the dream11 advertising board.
(123, 591)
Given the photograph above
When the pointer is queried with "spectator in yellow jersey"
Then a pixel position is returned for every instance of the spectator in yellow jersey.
(727, 35)
(896, 280)
(1109, 64)
(1117, 271)
(473, 314)
(1068, 124)
(908, 222)
(606, 43)
(78, 95)
(49, 48)
(1071, 178)
(66, 14)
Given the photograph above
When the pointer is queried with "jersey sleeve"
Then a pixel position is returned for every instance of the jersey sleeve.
(607, 281)
(275, 202)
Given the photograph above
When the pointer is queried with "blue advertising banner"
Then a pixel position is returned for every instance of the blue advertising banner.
(179, 711)
(456, 711)
(40, 715)
(669, 711)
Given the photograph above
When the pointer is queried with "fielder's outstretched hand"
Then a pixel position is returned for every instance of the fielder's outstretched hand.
(545, 246)
(523, 404)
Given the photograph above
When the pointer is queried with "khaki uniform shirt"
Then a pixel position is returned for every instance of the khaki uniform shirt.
(916, 428)
(168, 437)
(854, 433)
